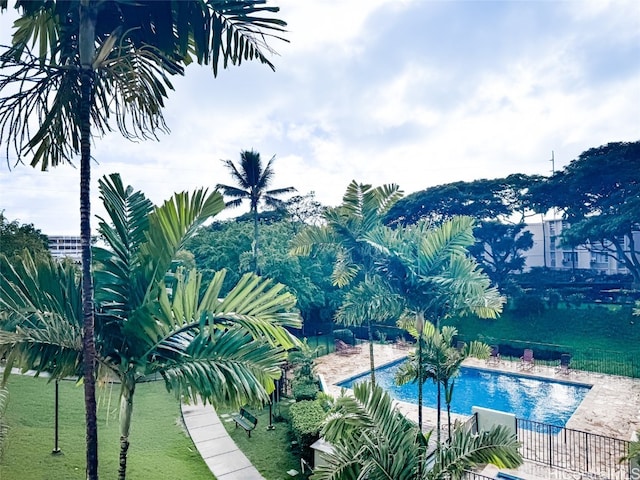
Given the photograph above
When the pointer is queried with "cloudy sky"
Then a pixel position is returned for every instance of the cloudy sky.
(414, 92)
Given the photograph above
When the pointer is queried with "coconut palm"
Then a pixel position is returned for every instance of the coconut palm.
(372, 439)
(226, 350)
(252, 183)
(346, 226)
(98, 61)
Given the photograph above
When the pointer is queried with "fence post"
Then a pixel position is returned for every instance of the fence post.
(549, 433)
(586, 449)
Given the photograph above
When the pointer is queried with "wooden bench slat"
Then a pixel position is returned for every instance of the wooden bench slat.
(247, 421)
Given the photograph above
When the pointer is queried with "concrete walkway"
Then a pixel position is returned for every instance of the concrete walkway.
(216, 447)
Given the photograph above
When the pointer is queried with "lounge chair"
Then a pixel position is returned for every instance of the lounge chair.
(565, 364)
(402, 344)
(494, 356)
(346, 349)
(527, 361)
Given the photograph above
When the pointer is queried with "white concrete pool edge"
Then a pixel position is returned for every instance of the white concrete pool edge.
(611, 408)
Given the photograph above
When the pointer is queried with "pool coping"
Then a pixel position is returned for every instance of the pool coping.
(611, 407)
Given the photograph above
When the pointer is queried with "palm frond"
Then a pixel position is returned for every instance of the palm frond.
(313, 237)
(497, 446)
(371, 437)
(370, 299)
(226, 367)
(41, 306)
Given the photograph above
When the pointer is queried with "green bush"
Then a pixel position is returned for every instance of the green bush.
(304, 390)
(528, 305)
(306, 421)
(345, 335)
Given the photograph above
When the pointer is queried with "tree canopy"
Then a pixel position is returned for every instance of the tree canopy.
(15, 237)
(599, 195)
(499, 206)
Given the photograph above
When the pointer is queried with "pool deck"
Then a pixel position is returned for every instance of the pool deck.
(611, 408)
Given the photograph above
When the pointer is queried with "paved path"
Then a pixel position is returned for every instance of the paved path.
(216, 447)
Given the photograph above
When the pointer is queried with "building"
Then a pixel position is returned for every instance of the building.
(64, 246)
(547, 251)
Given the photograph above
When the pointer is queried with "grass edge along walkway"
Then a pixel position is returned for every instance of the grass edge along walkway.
(218, 450)
(160, 447)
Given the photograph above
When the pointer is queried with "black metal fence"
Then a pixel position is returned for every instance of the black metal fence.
(626, 364)
(574, 450)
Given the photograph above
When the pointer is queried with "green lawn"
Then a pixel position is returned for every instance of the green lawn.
(268, 450)
(160, 448)
(609, 328)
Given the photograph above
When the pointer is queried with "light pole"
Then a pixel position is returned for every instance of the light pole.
(56, 449)
(271, 426)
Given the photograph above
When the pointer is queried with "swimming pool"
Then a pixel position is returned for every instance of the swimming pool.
(537, 399)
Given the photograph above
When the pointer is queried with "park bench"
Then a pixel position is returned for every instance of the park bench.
(245, 420)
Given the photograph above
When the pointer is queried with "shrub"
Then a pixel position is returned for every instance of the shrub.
(304, 390)
(528, 304)
(345, 335)
(306, 421)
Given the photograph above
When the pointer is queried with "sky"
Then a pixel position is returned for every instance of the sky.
(414, 92)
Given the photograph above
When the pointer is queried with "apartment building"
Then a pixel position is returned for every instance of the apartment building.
(547, 251)
(64, 246)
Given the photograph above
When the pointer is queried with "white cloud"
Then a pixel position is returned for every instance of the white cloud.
(417, 93)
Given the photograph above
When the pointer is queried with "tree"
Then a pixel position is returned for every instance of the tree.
(499, 206)
(227, 244)
(599, 195)
(98, 60)
(305, 209)
(15, 238)
(224, 350)
(362, 210)
(440, 360)
(428, 269)
(499, 249)
(253, 180)
(372, 439)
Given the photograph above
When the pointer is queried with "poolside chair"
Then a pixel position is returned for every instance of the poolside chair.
(494, 356)
(565, 364)
(346, 349)
(402, 344)
(527, 361)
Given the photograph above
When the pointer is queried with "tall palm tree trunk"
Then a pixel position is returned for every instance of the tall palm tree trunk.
(87, 45)
(438, 420)
(126, 410)
(448, 396)
(255, 241)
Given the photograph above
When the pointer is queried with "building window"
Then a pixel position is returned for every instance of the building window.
(569, 258)
(599, 257)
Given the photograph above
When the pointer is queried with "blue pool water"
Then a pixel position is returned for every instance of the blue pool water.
(536, 399)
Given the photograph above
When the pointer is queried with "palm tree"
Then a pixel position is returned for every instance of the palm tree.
(225, 351)
(253, 180)
(98, 60)
(440, 362)
(372, 439)
(346, 227)
(429, 269)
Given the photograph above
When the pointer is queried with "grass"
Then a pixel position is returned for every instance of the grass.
(269, 450)
(600, 338)
(593, 327)
(160, 448)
